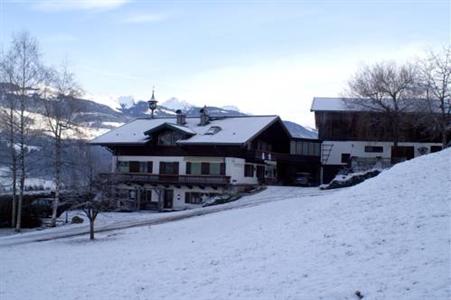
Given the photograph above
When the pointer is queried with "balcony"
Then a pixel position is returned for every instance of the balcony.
(276, 156)
(142, 178)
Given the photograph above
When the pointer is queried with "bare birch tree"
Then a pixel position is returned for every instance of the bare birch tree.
(436, 81)
(8, 116)
(22, 66)
(388, 89)
(60, 113)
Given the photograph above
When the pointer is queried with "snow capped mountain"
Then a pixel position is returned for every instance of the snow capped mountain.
(126, 101)
(174, 104)
(230, 107)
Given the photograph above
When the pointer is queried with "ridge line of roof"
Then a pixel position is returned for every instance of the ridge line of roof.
(212, 116)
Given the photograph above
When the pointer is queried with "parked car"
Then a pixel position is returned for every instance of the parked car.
(42, 207)
(303, 179)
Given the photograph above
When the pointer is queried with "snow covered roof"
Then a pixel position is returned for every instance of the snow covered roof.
(352, 104)
(234, 130)
(181, 128)
(334, 104)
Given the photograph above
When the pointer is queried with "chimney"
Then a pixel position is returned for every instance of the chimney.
(181, 117)
(204, 118)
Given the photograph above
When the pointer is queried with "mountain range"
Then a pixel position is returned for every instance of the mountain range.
(103, 116)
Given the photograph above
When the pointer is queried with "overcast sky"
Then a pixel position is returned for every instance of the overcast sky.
(264, 57)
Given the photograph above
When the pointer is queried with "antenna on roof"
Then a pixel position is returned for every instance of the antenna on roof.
(152, 103)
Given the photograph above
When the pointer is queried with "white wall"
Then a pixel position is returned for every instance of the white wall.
(357, 149)
(178, 202)
(235, 169)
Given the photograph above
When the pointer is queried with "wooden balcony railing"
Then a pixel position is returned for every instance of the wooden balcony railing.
(165, 179)
(275, 156)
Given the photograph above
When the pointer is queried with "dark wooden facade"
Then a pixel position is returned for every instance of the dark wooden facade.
(369, 126)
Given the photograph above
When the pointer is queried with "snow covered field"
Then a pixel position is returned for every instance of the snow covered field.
(388, 237)
(115, 220)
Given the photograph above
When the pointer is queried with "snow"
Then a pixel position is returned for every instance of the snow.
(231, 107)
(117, 220)
(299, 131)
(109, 100)
(33, 182)
(112, 124)
(333, 104)
(234, 130)
(174, 104)
(126, 101)
(351, 104)
(387, 237)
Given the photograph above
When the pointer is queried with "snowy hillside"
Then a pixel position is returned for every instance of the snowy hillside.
(387, 238)
(299, 131)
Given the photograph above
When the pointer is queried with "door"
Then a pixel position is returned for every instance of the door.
(402, 153)
(145, 199)
(168, 198)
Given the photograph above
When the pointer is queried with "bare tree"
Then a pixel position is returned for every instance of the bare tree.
(60, 113)
(436, 81)
(93, 200)
(388, 89)
(23, 69)
(8, 116)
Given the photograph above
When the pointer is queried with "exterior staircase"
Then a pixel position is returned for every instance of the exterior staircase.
(326, 149)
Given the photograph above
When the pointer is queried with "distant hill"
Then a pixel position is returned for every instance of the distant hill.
(299, 131)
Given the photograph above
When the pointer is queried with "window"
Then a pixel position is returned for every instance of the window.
(132, 194)
(260, 172)
(345, 158)
(146, 195)
(435, 148)
(374, 149)
(198, 198)
(149, 165)
(213, 130)
(248, 170)
(193, 198)
(134, 166)
(204, 168)
(305, 148)
(169, 168)
(193, 168)
(169, 138)
(122, 166)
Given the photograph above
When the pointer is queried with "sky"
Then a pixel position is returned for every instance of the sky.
(265, 57)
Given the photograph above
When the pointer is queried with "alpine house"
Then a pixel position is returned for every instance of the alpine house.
(179, 162)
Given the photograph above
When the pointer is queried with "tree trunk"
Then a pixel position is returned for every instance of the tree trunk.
(91, 229)
(21, 163)
(444, 131)
(13, 167)
(14, 197)
(57, 179)
(395, 130)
